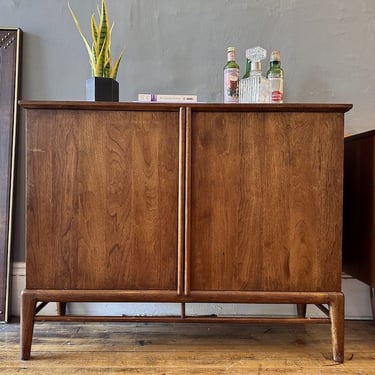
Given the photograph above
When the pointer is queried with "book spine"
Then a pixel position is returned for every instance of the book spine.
(164, 98)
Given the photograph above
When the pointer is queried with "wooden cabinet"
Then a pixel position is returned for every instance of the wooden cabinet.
(192, 203)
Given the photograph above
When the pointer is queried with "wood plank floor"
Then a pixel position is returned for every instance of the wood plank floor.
(161, 348)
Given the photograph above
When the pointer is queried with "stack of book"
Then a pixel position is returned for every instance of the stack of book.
(165, 98)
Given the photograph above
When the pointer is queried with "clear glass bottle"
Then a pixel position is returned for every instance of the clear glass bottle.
(231, 77)
(275, 76)
(259, 85)
(255, 89)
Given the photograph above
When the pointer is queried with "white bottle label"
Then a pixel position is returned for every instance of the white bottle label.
(276, 90)
(231, 85)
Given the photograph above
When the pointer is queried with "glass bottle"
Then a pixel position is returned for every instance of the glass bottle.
(255, 89)
(231, 77)
(275, 76)
(259, 85)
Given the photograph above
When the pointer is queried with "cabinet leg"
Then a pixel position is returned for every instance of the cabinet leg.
(337, 316)
(61, 308)
(301, 310)
(372, 299)
(28, 306)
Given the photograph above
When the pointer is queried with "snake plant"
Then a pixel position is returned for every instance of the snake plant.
(100, 51)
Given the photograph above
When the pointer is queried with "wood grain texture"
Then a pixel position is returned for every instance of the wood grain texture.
(359, 207)
(266, 201)
(102, 200)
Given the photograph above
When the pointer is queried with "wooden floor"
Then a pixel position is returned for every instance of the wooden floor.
(160, 348)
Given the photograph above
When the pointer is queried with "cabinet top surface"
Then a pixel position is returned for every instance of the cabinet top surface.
(218, 107)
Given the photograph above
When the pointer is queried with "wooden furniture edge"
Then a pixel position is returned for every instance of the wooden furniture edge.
(256, 297)
(365, 134)
(135, 106)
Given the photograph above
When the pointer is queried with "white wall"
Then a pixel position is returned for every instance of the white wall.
(179, 46)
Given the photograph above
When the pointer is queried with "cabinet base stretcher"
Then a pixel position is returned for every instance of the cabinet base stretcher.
(34, 300)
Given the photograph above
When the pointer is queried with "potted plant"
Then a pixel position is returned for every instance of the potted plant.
(102, 86)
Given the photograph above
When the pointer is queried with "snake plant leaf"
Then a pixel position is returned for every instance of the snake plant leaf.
(94, 48)
(114, 70)
(88, 48)
(94, 30)
(108, 56)
(103, 36)
(99, 65)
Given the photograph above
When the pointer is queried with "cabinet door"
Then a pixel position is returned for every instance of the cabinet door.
(102, 199)
(265, 201)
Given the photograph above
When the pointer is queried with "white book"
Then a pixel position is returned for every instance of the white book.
(166, 98)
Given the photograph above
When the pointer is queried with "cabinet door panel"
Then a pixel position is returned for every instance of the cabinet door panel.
(265, 201)
(102, 199)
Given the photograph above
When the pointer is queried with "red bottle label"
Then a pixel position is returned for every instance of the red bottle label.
(231, 85)
(277, 96)
(277, 90)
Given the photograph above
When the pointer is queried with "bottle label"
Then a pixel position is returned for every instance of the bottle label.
(276, 90)
(231, 85)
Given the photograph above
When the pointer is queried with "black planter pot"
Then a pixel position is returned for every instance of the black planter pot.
(102, 89)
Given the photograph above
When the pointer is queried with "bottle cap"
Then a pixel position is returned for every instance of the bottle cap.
(256, 54)
(231, 49)
(256, 66)
(275, 56)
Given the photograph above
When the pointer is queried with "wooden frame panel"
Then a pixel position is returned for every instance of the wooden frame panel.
(274, 184)
(10, 63)
(103, 195)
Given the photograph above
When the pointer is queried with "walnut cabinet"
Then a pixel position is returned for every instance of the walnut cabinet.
(132, 202)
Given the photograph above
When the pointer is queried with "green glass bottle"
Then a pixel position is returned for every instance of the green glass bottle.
(248, 69)
(275, 76)
(231, 77)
